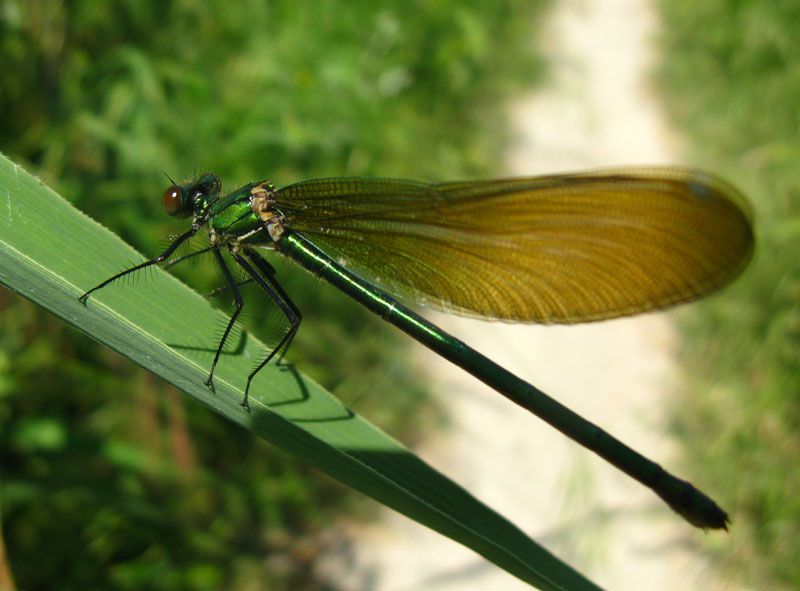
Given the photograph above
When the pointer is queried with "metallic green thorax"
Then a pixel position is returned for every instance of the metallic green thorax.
(232, 215)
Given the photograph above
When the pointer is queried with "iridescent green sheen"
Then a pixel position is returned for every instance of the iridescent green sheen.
(232, 215)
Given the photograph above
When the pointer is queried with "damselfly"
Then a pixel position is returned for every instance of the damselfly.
(556, 249)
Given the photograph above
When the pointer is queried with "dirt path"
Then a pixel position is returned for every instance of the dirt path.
(596, 111)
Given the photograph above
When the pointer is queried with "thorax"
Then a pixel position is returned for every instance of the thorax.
(247, 215)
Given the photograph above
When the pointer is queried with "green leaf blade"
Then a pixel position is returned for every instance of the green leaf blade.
(50, 253)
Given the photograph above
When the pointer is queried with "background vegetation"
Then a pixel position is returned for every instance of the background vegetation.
(109, 480)
(731, 75)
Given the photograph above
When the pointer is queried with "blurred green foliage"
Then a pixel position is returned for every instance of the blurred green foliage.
(107, 480)
(731, 73)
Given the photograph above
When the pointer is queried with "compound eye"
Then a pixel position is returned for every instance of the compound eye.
(172, 200)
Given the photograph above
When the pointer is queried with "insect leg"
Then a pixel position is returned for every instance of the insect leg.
(162, 257)
(270, 286)
(268, 271)
(186, 256)
(213, 292)
(237, 297)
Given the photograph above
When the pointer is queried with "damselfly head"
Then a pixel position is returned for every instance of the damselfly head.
(183, 201)
(207, 184)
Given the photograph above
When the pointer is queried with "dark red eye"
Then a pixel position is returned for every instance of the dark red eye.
(172, 200)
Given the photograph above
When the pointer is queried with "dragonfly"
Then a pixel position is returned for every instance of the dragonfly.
(564, 248)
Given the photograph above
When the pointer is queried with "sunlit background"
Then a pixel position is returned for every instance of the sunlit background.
(111, 479)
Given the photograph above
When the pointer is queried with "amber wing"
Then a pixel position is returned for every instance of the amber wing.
(556, 249)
